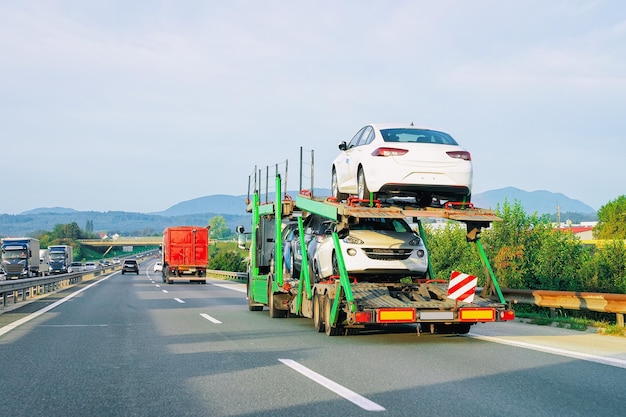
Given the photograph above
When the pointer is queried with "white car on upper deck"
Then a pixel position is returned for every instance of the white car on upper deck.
(403, 160)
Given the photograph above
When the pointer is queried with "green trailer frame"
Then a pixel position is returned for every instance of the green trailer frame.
(333, 305)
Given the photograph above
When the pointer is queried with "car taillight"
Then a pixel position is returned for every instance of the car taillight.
(389, 152)
(460, 155)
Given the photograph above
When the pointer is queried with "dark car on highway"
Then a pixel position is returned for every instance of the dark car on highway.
(130, 265)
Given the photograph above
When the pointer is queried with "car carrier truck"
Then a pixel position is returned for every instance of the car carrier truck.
(185, 254)
(20, 257)
(343, 304)
(61, 257)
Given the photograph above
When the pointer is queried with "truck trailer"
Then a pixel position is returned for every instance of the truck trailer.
(61, 257)
(343, 304)
(185, 253)
(44, 262)
(20, 257)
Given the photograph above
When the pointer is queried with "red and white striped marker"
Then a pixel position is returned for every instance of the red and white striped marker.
(462, 287)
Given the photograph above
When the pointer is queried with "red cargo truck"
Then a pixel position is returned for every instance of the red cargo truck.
(185, 253)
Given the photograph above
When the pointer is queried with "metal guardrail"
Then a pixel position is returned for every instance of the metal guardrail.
(570, 300)
(26, 288)
(237, 275)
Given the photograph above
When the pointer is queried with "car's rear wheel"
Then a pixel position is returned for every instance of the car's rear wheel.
(335, 188)
(362, 191)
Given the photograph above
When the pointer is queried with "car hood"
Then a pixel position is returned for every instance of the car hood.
(383, 238)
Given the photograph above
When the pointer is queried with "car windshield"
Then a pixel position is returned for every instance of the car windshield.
(392, 225)
(417, 136)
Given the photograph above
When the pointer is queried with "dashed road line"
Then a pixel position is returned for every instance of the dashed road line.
(344, 392)
(211, 319)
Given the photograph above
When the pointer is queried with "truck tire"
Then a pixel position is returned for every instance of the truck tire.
(328, 328)
(251, 305)
(318, 314)
(457, 328)
(274, 312)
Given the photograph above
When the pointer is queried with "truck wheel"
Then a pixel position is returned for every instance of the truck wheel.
(251, 305)
(461, 328)
(274, 312)
(328, 328)
(318, 320)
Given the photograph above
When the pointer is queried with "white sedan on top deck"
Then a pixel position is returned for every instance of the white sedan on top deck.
(403, 160)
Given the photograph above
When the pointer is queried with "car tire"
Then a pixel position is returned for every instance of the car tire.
(335, 264)
(295, 272)
(335, 188)
(363, 193)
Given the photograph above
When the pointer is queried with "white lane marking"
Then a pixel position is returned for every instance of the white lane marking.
(344, 392)
(211, 319)
(17, 323)
(619, 363)
(73, 325)
(165, 291)
(179, 300)
(231, 287)
(158, 286)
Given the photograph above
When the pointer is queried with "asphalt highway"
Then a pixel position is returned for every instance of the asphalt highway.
(130, 345)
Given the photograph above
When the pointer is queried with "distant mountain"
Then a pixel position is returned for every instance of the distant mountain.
(217, 203)
(200, 210)
(540, 202)
(53, 210)
(223, 204)
(125, 223)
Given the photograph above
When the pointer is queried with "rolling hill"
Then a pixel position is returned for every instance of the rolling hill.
(200, 210)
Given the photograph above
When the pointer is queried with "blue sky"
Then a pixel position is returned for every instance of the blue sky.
(138, 105)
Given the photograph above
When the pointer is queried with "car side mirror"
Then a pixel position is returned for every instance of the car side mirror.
(343, 146)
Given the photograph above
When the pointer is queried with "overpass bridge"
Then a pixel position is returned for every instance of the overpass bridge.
(124, 241)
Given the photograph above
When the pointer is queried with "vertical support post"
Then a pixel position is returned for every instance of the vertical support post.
(492, 276)
(312, 172)
(344, 279)
(267, 184)
(619, 319)
(278, 247)
(254, 269)
(300, 187)
(284, 193)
